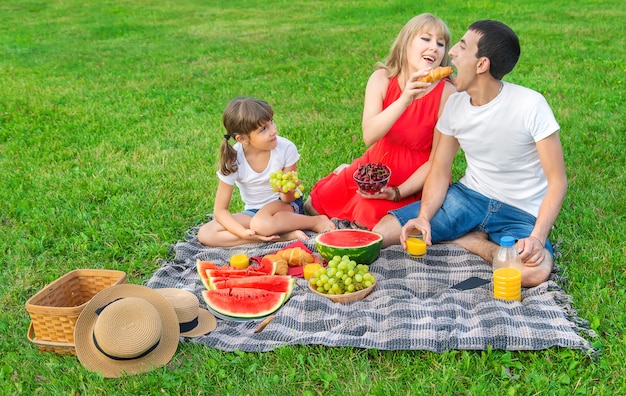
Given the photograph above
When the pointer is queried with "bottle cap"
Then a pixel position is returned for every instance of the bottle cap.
(507, 241)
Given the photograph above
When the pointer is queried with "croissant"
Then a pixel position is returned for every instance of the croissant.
(296, 257)
(437, 74)
(281, 263)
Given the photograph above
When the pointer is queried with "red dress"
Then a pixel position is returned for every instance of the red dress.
(404, 149)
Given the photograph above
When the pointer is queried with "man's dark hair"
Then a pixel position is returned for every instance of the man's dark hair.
(499, 43)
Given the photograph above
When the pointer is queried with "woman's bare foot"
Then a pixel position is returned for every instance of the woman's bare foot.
(324, 224)
(340, 168)
(308, 207)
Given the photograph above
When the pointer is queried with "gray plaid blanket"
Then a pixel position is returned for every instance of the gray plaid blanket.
(413, 306)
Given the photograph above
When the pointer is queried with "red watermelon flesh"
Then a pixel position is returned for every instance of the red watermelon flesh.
(265, 266)
(277, 283)
(208, 269)
(244, 302)
(227, 272)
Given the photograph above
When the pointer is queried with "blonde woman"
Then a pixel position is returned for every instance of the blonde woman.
(399, 118)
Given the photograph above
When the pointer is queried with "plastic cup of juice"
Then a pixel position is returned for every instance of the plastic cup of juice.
(239, 259)
(415, 245)
(310, 270)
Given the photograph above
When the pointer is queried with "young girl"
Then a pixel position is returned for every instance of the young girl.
(258, 151)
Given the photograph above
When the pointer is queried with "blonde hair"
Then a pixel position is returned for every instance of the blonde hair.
(242, 116)
(396, 61)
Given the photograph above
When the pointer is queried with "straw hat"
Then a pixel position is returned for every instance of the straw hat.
(126, 329)
(194, 321)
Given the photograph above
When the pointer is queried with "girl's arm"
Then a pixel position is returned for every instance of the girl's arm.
(222, 214)
(288, 196)
(291, 168)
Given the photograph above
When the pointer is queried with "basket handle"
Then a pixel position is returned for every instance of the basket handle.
(32, 338)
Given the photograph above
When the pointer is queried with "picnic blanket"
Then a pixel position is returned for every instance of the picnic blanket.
(414, 306)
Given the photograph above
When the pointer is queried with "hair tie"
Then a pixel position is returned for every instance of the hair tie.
(227, 136)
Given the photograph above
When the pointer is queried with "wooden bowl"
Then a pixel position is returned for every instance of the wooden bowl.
(345, 298)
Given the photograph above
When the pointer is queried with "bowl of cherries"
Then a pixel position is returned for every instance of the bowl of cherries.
(371, 178)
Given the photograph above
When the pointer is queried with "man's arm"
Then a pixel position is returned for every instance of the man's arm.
(551, 157)
(435, 186)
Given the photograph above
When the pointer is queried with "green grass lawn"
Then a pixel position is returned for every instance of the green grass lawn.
(110, 120)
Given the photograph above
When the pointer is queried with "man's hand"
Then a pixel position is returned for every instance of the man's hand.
(531, 251)
(421, 224)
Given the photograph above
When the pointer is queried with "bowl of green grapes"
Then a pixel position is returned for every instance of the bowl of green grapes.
(343, 280)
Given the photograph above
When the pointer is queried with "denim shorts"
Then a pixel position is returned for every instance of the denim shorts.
(464, 210)
(297, 205)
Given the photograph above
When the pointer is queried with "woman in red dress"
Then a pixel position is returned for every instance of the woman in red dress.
(399, 118)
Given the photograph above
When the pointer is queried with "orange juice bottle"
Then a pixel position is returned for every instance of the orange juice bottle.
(507, 271)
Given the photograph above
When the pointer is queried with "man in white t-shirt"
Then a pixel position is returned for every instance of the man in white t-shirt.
(515, 181)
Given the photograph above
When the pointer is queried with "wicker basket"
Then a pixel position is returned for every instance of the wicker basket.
(55, 308)
(345, 298)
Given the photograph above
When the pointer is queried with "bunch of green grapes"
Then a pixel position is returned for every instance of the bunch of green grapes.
(342, 276)
(285, 182)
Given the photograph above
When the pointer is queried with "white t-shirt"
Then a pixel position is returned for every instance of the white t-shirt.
(499, 142)
(255, 187)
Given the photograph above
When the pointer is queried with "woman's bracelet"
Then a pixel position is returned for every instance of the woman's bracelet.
(396, 194)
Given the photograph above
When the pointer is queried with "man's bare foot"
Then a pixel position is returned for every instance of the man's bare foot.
(324, 224)
(468, 240)
(478, 243)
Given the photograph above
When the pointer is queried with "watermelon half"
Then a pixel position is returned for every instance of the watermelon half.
(244, 302)
(361, 246)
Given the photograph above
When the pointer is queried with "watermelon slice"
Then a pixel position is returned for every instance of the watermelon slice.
(243, 302)
(360, 245)
(277, 283)
(266, 266)
(207, 269)
(202, 267)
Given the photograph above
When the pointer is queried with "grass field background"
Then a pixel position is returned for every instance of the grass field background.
(110, 120)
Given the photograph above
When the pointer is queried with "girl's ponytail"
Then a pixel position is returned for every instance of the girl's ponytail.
(228, 157)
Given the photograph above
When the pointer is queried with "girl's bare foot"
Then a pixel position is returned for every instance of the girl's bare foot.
(324, 224)
(297, 234)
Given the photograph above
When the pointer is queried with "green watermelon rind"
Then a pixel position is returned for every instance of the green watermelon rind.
(206, 295)
(362, 254)
(200, 268)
